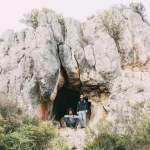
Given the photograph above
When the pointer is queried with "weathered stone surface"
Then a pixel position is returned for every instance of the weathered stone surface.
(5, 36)
(69, 63)
(56, 27)
(35, 63)
(42, 19)
(129, 89)
(33, 70)
(21, 35)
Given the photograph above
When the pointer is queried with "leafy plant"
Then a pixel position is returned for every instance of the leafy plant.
(31, 18)
(112, 24)
(47, 10)
(1, 40)
(19, 131)
(140, 9)
(126, 132)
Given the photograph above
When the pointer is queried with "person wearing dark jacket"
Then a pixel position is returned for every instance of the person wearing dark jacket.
(82, 110)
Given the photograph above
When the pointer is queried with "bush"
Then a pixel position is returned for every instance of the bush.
(104, 142)
(124, 133)
(28, 138)
(32, 137)
(39, 135)
(31, 19)
(46, 10)
(8, 107)
(112, 24)
(1, 40)
(19, 131)
(140, 9)
(9, 115)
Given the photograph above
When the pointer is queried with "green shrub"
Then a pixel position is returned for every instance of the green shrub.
(102, 141)
(124, 133)
(61, 19)
(16, 141)
(31, 19)
(30, 120)
(1, 40)
(113, 24)
(40, 135)
(28, 138)
(32, 137)
(9, 115)
(140, 9)
(19, 131)
(47, 10)
(7, 106)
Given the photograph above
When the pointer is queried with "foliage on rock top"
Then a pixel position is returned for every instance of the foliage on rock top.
(140, 9)
(113, 24)
(1, 40)
(30, 18)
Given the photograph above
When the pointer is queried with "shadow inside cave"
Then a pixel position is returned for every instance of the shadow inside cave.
(67, 98)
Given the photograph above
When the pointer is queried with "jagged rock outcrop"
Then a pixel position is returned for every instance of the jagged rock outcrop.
(35, 63)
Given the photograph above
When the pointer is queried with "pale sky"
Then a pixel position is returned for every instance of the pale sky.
(12, 10)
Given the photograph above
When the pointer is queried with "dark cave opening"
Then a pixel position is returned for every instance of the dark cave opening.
(67, 98)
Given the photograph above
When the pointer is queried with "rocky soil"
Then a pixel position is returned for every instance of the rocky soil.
(74, 139)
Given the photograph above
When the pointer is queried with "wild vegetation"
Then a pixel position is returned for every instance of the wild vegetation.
(126, 132)
(113, 24)
(30, 18)
(1, 40)
(19, 131)
(140, 9)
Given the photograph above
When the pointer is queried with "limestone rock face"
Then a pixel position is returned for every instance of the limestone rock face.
(56, 27)
(136, 34)
(36, 63)
(31, 67)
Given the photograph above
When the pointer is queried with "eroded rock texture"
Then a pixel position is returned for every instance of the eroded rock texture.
(36, 63)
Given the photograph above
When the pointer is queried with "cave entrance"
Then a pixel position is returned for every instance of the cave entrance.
(66, 98)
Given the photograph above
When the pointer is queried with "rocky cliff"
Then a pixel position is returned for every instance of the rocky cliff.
(107, 58)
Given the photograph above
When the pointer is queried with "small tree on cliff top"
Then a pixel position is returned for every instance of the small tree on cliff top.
(30, 18)
(140, 9)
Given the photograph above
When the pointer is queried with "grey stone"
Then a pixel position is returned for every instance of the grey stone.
(39, 61)
(42, 19)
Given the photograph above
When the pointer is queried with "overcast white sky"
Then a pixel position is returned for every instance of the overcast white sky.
(12, 10)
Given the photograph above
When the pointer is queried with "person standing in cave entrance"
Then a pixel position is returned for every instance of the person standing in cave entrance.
(71, 120)
(82, 109)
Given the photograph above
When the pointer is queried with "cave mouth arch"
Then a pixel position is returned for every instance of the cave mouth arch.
(66, 98)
